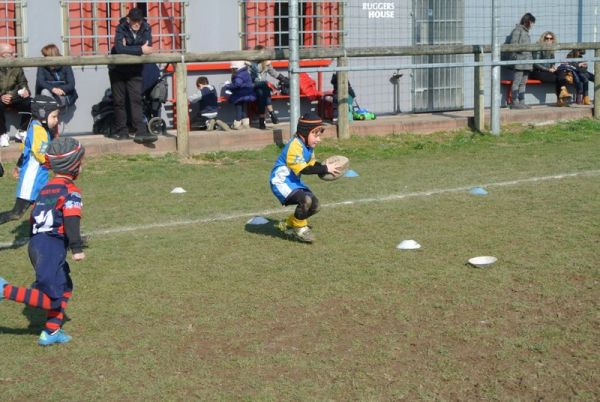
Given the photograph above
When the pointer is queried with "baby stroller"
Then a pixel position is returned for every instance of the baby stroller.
(155, 94)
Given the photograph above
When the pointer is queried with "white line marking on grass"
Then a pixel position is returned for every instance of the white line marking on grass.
(392, 197)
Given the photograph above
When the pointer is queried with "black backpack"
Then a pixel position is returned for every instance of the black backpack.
(506, 56)
(103, 114)
(283, 84)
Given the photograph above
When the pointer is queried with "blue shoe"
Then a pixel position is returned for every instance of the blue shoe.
(58, 337)
(2, 284)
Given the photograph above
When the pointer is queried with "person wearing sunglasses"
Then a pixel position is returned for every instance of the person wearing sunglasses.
(548, 72)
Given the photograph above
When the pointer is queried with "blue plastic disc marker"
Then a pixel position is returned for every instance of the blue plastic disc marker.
(478, 191)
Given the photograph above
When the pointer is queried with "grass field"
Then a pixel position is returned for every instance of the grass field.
(179, 299)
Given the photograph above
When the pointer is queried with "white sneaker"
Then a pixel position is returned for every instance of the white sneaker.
(20, 135)
(237, 124)
(304, 234)
(4, 140)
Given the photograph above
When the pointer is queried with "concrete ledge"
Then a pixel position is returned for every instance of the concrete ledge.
(422, 123)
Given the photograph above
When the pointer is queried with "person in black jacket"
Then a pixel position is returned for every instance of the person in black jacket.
(56, 81)
(133, 37)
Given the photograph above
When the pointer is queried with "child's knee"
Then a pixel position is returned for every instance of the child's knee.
(314, 207)
(309, 205)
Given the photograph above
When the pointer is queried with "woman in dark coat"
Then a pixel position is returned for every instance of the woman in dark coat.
(56, 81)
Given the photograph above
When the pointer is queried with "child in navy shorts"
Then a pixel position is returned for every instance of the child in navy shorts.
(55, 227)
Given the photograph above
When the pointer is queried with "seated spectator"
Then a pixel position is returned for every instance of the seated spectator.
(260, 72)
(206, 100)
(547, 72)
(583, 77)
(14, 94)
(56, 81)
(242, 93)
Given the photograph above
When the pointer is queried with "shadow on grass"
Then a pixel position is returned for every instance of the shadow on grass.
(268, 229)
(36, 318)
(21, 232)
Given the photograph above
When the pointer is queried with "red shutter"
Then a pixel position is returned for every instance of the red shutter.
(330, 23)
(309, 25)
(9, 30)
(166, 22)
(260, 17)
(81, 26)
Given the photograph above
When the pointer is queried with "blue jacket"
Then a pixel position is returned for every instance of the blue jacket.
(241, 87)
(128, 42)
(206, 100)
(60, 77)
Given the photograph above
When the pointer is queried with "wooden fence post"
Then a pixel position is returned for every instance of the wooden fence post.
(183, 140)
(343, 129)
(479, 98)
(597, 86)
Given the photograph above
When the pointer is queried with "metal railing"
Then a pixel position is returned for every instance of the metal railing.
(180, 60)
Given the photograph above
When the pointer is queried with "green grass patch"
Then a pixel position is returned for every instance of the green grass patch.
(219, 310)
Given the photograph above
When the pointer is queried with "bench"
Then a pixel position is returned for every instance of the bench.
(508, 83)
(226, 68)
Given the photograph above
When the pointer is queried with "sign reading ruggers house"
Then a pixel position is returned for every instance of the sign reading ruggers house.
(379, 9)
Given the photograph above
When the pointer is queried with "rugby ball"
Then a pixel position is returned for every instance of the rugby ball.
(341, 162)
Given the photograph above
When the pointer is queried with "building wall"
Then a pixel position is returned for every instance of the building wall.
(209, 29)
(217, 28)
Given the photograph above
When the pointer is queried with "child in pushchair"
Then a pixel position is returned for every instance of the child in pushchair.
(155, 91)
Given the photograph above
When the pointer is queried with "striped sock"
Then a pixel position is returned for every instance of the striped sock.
(31, 297)
(56, 316)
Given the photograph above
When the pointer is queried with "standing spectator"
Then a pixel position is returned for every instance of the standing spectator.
(133, 37)
(583, 77)
(242, 92)
(547, 72)
(14, 94)
(520, 36)
(260, 72)
(56, 81)
(32, 170)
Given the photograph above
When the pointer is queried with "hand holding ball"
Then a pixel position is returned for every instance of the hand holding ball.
(337, 166)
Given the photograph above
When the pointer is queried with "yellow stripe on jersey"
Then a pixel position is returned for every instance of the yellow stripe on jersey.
(39, 143)
(295, 157)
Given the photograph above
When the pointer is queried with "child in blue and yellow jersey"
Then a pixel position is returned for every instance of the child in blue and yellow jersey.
(33, 175)
(296, 159)
(55, 227)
